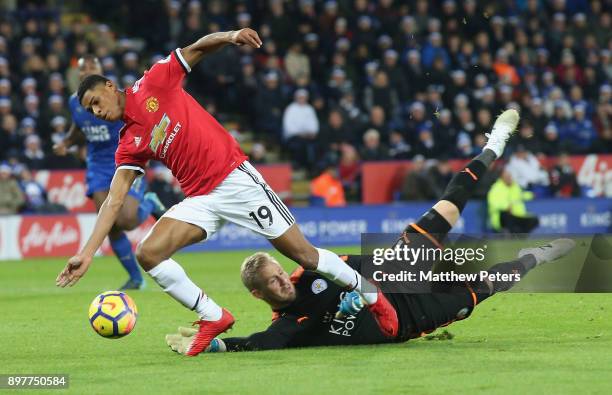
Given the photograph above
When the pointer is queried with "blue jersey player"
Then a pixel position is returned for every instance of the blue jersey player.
(102, 138)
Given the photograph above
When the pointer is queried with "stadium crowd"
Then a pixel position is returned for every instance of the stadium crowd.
(336, 83)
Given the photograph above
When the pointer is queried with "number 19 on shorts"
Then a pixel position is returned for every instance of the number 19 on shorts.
(264, 215)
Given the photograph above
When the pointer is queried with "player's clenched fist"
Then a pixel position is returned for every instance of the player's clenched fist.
(246, 36)
(74, 270)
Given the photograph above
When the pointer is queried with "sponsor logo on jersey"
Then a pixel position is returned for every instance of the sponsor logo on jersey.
(169, 140)
(152, 104)
(319, 285)
(137, 140)
(158, 134)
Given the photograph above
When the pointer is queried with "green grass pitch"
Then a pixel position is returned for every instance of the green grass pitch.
(513, 343)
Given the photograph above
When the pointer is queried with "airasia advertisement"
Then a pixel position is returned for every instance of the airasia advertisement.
(48, 236)
(54, 235)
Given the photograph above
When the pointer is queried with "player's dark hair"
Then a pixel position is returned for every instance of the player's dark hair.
(88, 83)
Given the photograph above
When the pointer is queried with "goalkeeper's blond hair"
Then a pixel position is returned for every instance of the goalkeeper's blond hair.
(249, 271)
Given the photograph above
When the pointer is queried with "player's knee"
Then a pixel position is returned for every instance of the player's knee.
(124, 222)
(147, 256)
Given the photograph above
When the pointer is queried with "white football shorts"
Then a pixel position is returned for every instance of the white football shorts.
(244, 199)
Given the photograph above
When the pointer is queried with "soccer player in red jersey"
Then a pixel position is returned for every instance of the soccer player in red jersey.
(163, 122)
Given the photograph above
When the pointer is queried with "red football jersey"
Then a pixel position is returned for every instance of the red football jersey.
(164, 123)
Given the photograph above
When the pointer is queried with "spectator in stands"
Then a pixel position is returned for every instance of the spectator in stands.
(55, 108)
(426, 145)
(378, 121)
(563, 180)
(381, 93)
(433, 49)
(579, 133)
(11, 196)
(536, 115)
(5, 106)
(550, 143)
(328, 187)
(527, 138)
(334, 132)
(300, 129)
(269, 105)
(56, 85)
(414, 120)
(395, 73)
(27, 127)
(464, 148)
(10, 139)
(445, 132)
(58, 129)
(526, 170)
(338, 86)
(34, 193)
(373, 149)
(31, 106)
(296, 63)
(568, 72)
(417, 184)
(349, 172)
(258, 154)
(33, 155)
(352, 111)
(398, 147)
(507, 211)
(439, 176)
(505, 71)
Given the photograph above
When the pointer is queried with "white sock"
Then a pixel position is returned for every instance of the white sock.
(335, 269)
(174, 281)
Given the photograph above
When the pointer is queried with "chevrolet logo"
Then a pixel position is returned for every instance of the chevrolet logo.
(158, 134)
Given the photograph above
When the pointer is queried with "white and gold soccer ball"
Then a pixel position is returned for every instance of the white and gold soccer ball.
(113, 314)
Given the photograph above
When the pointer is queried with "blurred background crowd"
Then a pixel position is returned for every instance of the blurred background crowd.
(336, 83)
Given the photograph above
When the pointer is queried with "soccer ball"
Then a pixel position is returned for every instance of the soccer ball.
(113, 314)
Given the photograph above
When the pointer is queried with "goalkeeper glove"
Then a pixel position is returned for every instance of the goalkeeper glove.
(351, 304)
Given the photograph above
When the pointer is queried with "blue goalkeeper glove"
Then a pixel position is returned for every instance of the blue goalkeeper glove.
(351, 304)
(216, 345)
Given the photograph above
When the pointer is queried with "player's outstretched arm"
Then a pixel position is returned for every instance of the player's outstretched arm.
(109, 211)
(283, 332)
(74, 136)
(215, 41)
